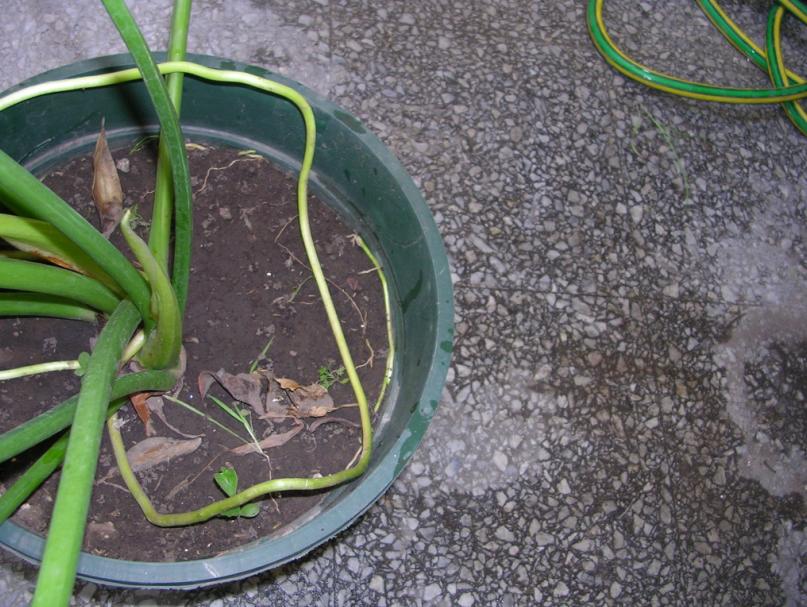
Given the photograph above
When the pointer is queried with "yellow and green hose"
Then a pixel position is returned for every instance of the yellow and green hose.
(788, 87)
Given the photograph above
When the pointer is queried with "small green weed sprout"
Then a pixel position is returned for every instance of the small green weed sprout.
(227, 480)
(328, 377)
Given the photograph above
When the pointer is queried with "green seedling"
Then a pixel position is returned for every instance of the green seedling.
(215, 422)
(668, 137)
(227, 480)
(262, 356)
(141, 143)
(328, 377)
(242, 416)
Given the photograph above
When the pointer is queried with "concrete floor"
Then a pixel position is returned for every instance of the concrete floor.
(624, 421)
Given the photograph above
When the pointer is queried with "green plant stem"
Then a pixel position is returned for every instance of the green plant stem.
(246, 422)
(160, 234)
(171, 135)
(57, 571)
(40, 470)
(49, 423)
(45, 241)
(32, 478)
(26, 195)
(49, 367)
(216, 508)
(23, 303)
(388, 314)
(254, 365)
(50, 280)
(164, 342)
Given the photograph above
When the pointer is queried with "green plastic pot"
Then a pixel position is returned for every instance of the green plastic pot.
(359, 177)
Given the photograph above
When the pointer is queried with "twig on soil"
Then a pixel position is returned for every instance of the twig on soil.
(185, 482)
(283, 229)
(355, 458)
(224, 168)
(371, 358)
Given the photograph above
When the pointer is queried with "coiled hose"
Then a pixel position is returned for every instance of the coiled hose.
(788, 87)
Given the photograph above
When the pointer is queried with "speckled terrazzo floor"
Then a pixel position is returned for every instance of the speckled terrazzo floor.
(624, 422)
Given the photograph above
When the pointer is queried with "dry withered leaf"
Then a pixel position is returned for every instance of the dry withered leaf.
(159, 449)
(273, 440)
(275, 403)
(106, 189)
(311, 401)
(244, 387)
(287, 384)
(141, 408)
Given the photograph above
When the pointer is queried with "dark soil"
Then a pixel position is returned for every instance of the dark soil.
(248, 284)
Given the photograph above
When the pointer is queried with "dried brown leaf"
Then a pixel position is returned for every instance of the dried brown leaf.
(159, 449)
(273, 440)
(140, 406)
(106, 189)
(311, 401)
(287, 384)
(275, 407)
(244, 387)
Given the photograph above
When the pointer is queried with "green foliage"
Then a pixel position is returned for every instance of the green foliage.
(83, 360)
(328, 377)
(227, 480)
(262, 356)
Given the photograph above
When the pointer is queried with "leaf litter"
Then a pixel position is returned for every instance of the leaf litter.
(156, 450)
(106, 188)
(274, 399)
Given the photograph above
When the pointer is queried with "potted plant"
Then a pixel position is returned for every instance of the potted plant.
(44, 121)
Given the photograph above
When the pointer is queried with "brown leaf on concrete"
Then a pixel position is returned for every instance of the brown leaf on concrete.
(273, 440)
(106, 189)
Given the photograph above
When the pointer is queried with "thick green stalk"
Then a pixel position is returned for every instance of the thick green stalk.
(50, 280)
(45, 425)
(171, 135)
(160, 234)
(163, 343)
(32, 478)
(22, 303)
(46, 242)
(57, 571)
(26, 195)
(40, 470)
